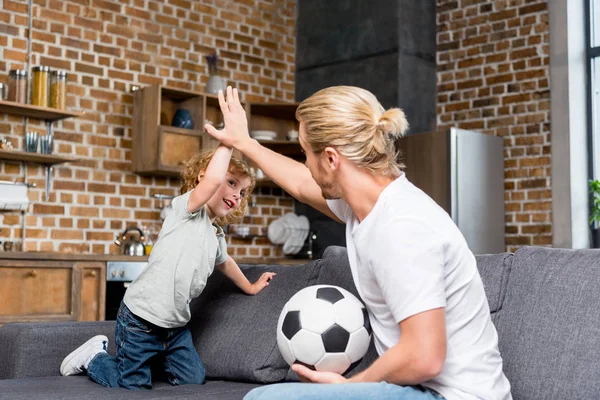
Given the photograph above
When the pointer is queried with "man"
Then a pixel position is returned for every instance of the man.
(410, 263)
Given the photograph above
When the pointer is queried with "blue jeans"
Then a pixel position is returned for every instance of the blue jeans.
(142, 346)
(345, 391)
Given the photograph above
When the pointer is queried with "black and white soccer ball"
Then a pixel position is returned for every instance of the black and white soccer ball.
(325, 328)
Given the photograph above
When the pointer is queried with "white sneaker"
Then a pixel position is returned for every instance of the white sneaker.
(77, 361)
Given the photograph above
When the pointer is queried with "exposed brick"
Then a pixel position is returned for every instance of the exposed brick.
(512, 101)
(106, 46)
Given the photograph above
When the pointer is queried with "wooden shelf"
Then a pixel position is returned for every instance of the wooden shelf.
(37, 158)
(43, 113)
(181, 131)
(275, 110)
(285, 147)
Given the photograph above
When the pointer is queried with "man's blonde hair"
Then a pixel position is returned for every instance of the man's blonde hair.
(199, 162)
(353, 121)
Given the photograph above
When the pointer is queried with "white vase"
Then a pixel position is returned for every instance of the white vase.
(214, 84)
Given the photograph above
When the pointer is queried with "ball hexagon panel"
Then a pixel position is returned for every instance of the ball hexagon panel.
(347, 315)
(307, 347)
(316, 316)
(285, 348)
(334, 362)
(297, 301)
(358, 344)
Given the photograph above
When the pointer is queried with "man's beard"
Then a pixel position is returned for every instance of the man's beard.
(328, 189)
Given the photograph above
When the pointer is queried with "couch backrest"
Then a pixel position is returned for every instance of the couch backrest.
(235, 334)
(545, 304)
(549, 324)
(494, 270)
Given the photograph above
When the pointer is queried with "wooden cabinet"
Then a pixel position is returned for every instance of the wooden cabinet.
(93, 291)
(160, 149)
(44, 290)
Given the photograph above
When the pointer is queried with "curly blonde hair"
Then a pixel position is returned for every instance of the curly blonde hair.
(353, 121)
(199, 162)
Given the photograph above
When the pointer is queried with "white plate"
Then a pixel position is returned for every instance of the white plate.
(263, 134)
(262, 138)
(276, 232)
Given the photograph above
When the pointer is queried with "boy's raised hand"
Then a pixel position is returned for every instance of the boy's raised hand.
(234, 117)
(262, 282)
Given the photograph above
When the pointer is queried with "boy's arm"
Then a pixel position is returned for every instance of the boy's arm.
(213, 177)
(291, 175)
(234, 116)
(232, 271)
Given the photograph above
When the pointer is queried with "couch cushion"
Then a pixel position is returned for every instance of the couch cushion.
(82, 388)
(549, 328)
(33, 349)
(494, 270)
(235, 334)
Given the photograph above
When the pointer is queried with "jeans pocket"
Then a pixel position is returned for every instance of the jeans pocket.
(135, 323)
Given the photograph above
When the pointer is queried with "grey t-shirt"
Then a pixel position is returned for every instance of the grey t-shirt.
(184, 256)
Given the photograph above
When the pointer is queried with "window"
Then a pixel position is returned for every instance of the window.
(593, 53)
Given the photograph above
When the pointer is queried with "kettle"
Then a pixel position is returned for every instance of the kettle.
(131, 244)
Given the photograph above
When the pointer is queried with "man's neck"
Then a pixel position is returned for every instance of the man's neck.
(362, 190)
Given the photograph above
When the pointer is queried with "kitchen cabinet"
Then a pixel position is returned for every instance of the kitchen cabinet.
(93, 291)
(51, 290)
(160, 149)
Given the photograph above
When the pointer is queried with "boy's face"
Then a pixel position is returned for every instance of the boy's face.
(229, 195)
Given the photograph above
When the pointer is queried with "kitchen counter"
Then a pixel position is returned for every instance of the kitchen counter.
(32, 255)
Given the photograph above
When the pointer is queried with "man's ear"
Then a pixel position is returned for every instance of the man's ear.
(331, 158)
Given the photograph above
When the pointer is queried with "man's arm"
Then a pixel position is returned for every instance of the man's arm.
(418, 356)
(290, 175)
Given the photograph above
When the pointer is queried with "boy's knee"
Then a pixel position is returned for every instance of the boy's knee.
(196, 378)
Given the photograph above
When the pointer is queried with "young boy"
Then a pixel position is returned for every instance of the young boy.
(152, 320)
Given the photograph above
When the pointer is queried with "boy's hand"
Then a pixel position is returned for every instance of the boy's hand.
(262, 282)
(234, 117)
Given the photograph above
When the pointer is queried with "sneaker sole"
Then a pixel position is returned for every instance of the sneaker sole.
(84, 346)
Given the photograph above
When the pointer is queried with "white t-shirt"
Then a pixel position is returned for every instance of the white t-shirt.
(407, 256)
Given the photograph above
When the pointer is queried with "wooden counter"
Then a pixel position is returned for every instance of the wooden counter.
(30, 255)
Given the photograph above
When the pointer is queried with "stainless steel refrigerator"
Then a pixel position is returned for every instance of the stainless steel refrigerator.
(463, 171)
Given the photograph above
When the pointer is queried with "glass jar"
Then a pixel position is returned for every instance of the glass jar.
(39, 89)
(3, 90)
(17, 85)
(58, 89)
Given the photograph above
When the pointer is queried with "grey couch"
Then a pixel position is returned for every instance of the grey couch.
(545, 304)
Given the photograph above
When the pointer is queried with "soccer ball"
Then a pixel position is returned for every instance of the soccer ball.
(325, 328)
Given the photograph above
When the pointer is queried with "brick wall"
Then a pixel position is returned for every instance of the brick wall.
(493, 76)
(107, 46)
